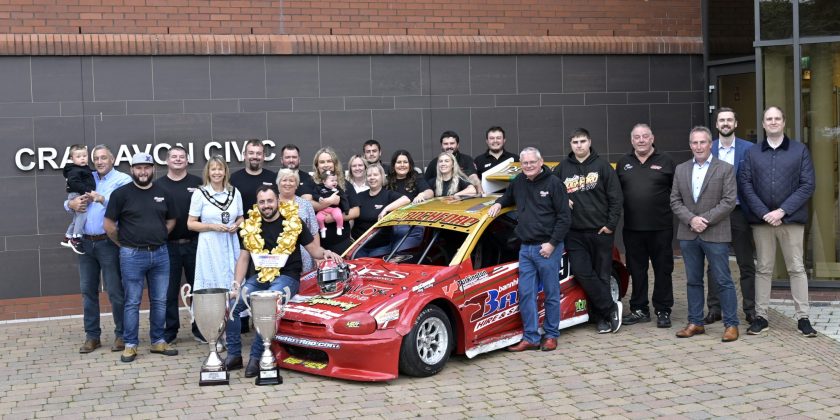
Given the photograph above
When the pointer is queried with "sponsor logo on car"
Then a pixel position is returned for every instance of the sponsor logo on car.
(295, 341)
(423, 286)
(291, 360)
(316, 312)
(345, 306)
(364, 292)
(442, 218)
(494, 300)
(580, 305)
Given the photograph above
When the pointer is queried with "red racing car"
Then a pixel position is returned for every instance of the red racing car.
(408, 310)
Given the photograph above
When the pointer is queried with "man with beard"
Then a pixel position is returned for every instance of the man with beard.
(495, 153)
(182, 242)
(101, 257)
(271, 229)
(290, 154)
(146, 214)
(248, 179)
(732, 150)
(449, 142)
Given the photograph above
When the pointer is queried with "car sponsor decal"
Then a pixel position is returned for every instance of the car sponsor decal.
(364, 292)
(494, 300)
(316, 312)
(439, 217)
(295, 341)
(483, 277)
(291, 360)
(387, 312)
(496, 317)
(377, 274)
(580, 305)
(345, 306)
(423, 286)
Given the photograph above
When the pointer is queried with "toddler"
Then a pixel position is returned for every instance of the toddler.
(79, 178)
(326, 190)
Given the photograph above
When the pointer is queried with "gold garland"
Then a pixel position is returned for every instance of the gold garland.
(251, 234)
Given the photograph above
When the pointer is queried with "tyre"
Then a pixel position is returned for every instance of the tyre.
(427, 346)
(615, 290)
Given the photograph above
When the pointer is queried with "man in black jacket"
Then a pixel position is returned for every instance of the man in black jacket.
(596, 200)
(542, 203)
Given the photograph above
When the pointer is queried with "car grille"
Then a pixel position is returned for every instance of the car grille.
(306, 353)
(302, 327)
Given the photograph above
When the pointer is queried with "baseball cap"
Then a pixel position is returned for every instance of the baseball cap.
(142, 159)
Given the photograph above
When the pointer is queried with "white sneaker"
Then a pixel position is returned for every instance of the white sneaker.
(323, 233)
(338, 231)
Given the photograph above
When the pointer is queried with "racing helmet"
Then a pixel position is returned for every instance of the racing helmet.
(333, 278)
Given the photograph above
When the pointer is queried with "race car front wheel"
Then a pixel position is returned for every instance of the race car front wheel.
(427, 346)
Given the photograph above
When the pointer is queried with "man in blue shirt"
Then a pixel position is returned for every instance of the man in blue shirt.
(101, 255)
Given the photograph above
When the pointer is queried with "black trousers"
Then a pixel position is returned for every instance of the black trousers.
(590, 257)
(656, 247)
(742, 244)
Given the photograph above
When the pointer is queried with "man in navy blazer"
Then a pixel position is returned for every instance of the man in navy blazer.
(732, 150)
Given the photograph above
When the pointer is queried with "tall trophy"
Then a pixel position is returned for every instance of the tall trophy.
(209, 311)
(266, 309)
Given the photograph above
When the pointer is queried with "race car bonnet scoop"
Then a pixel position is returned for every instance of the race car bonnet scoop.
(333, 278)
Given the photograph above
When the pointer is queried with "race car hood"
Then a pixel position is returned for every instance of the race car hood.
(375, 286)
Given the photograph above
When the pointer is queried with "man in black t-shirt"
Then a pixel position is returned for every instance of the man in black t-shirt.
(450, 142)
(272, 228)
(138, 219)
(495, 153)
(182, 241)
(291, 160)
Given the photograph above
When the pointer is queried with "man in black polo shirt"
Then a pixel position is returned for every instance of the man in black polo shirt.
(145, 214)
(495, 153)
(181, 242)
(646, 178)
(271, 228)
(290, 154)
(449, 142)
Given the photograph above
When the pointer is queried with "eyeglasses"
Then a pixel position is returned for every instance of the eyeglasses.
(530, 163)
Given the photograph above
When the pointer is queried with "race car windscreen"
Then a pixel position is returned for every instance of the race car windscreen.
(411, 244)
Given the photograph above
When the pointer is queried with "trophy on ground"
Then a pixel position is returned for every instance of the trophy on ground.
(266, 309)
(209, 311)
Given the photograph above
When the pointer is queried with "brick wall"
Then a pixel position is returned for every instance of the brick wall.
(355, 17)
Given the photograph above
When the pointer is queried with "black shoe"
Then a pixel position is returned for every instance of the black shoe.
(750, 317)
(759, 326)
(712, 317)
(805, 328)
(635, 317)
(233, 362)
(76, 246)
(253, 368)
(615, 317)
(604, 326)
(663, 319)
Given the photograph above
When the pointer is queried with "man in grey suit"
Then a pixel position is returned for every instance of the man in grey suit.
(702, 197)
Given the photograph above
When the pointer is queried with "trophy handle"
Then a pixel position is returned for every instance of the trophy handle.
(185, 293)
(285, 296)
(242, 290)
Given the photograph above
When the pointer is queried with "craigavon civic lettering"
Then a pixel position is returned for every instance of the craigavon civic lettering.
(440, 217)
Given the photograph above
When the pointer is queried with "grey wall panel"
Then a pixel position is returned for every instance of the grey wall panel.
(542, 128)
(287, 77)
(16, 134)
(181, 77)
(202, 106)
(262, 105)
(19, 200)
(303, 129)
(318, 104)
(239, 126)
(594, 119)
(23, 272)
(345, 131)
(237, 77)
(518, 100)
(153, 107)
(670, 72)
(121, 78)
(449, 75)
(440, 120)
(492, 74)
(628, 73)
(621, 119)
(584, 73)
(555, 99)
(132, 129)
(98, 108)
(59, 272)
(482, 119)
(61, 132)
(369, 102)
(29, 109)
(672, 123)
(51, 193)
(60, 79)
(540, 74)
(599, 98)
(397, 129)
(344, 76)
(395, 75)
(16, 83)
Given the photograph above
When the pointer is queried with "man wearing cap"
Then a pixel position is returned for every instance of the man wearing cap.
(145, 214)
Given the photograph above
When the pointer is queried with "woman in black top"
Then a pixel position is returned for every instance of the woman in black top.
(450, 180)
(405, 180)
(374, 204)
(327, 160)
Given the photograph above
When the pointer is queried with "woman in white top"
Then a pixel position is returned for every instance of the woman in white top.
(287, 181)
(216, 213)
(356, 176)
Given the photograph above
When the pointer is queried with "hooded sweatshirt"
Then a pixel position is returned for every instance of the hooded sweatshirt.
(542, 205)
(594, 190)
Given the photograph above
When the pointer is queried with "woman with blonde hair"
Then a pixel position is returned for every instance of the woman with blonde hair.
(356, 176)
(287, 182)
(326, 159)
(449, 179)
(215, 213)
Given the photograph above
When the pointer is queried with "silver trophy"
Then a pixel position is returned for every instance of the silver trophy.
(266, 310)
(209, 311)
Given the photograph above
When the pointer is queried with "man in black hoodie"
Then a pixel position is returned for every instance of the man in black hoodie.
(595, 198)
(542, 203)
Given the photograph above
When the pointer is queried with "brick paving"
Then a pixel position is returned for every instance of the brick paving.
(640, 372)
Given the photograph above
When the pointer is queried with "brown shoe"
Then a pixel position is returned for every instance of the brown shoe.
(524, 345)
(119, 344)
(89, 346)
(730, 334)
(549, 344)
(691, 330)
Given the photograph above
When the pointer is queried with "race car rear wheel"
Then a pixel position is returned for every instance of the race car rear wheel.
(615, 290)
(427, 346)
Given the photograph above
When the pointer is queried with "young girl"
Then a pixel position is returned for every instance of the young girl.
(328, 189)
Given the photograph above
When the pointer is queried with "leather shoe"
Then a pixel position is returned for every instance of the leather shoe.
(233, 362)
(548, 344)
(253, 368)
(524, 345)
(712, 317)
(119, 345)
(730, 334)
(691, 330)
(89, 346)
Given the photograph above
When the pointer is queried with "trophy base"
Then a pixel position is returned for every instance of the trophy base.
(269, 377)
(214, 377)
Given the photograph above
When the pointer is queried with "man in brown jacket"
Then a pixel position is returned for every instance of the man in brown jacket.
(702, 197)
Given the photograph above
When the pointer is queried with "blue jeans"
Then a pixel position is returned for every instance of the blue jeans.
(234, 327)
(181, 259)
(411, 241)
(137, 267)
(536, 270)
(103, 257)
(718, 255)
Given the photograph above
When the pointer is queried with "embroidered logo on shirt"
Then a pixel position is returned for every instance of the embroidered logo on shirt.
(543, 194)
(377, 206)
(267, 183)
(159, 199)
(628, 166)
(655, 167)
(191, 189)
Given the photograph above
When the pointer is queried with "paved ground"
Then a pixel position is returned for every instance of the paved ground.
(640, 372)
